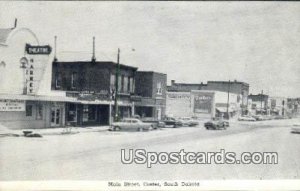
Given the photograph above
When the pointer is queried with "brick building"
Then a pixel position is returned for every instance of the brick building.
(151, 88)
(92, 84)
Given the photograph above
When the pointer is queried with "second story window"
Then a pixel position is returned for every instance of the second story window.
(122, 83)
(57, 80)
(128, 85)
(159, 88)
(74, 80)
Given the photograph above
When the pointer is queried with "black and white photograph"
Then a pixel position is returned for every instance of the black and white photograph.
(149, 95)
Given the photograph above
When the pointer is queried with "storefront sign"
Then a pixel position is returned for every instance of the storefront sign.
(38, 49)
(12, 105)
(203, 103)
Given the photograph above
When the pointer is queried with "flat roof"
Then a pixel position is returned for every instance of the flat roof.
(151, 72)
(96, 62)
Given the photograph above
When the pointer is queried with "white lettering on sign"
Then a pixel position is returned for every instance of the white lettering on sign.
(12, 105)
(179, 96)
(203, 97)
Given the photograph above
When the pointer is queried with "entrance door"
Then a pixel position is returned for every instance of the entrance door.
(158, 114)
(55, 116)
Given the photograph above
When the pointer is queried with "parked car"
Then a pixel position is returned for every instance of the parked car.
(130, 124)
(258, 117)
(295, 128)
(155, 122)
(172, 122)
(216, 124)
(246, 118)
(188, 121)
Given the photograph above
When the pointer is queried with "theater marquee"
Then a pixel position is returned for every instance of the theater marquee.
(38, 49)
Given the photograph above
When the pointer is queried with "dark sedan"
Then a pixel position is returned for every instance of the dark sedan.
(216, 124)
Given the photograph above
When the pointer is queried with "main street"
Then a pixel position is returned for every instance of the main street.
(97, 155)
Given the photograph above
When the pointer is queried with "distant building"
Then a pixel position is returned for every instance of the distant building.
(241, 89)
(294, 106)
(151, 87)
(278, 106)
(202, 104)
(259, 104)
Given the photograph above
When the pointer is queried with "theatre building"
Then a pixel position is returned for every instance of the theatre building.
(92, 86)
(24, 65)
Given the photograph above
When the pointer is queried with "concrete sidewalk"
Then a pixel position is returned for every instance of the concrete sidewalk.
(61, 130)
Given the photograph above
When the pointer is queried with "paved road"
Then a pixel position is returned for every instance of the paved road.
(97, 155)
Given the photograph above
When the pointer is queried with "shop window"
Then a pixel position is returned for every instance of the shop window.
(92, 113)
(28, 110)
(39, 111)
(89, 113)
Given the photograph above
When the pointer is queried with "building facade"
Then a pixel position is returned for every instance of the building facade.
(151, 88)
(23, 65)
(92, 84)
(202, 104)
(240, 89)
(259, 104)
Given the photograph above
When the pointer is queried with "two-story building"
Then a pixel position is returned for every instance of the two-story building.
(150, 88)
(92, 84)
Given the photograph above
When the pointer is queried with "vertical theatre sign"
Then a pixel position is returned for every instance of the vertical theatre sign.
(203, 102)
(12, 105)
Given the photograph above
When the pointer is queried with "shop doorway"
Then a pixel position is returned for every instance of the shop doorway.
(55, 116)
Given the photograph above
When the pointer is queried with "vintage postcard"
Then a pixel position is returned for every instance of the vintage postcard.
(136, 95)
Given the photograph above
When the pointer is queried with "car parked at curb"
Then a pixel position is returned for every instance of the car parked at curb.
(130, 124)
(246, 118)
(172, 122)
(188, 121)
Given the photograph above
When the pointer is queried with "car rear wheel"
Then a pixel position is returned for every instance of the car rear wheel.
(117, 128)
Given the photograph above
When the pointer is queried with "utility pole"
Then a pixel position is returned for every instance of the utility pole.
(228, 99)
(93, 57)
(261, 102)
(117, 86)
(55, 47)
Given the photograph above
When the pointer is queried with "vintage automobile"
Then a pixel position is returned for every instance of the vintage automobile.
(295, 128)
(188, 121)
(130, 124)
(258, 117)
(216, 124)
(171, 122)
(246, 118)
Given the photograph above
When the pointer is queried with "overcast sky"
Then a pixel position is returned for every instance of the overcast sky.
(192, 42)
